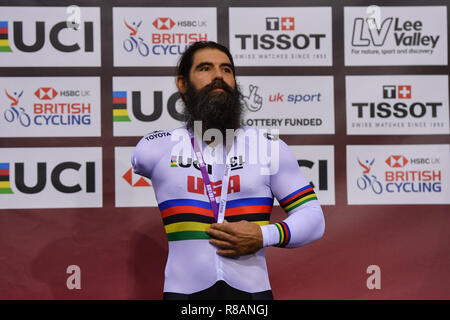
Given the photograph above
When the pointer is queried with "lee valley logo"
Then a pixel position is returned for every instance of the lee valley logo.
(397, 104)
(281, 36)
(398, 174)
(49, 36)
(50, 178)
(396, 35)
(65, 106)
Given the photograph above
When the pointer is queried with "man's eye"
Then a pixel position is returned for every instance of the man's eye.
(228, 70)
(204, 68)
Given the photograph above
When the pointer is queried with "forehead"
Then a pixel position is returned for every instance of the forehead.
(211, 55)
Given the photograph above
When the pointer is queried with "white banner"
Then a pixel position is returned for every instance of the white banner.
(158, 36)
(145, 104)
(50, 36)
(407, 104)
(50, 178)
(50, 107)
(132, 190)
(317, 164)
(398, 174)
(292, 104)
(281, 36)
(376, 36)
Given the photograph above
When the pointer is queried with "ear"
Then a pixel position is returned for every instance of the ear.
(181, 84)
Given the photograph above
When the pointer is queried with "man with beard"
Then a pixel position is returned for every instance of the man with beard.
(214, 198)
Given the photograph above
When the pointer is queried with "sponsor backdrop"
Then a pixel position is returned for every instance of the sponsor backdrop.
(358, 89)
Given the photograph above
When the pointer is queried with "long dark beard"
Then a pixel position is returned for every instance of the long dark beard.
(217, 110)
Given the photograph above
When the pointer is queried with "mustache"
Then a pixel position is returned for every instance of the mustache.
(217, 84)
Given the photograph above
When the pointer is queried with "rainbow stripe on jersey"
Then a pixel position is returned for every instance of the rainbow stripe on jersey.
(297, 198)
(188, 219)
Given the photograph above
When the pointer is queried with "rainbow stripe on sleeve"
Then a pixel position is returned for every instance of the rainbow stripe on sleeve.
(285, 233)
(297, 198)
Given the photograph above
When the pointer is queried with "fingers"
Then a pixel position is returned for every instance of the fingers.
(227, 252)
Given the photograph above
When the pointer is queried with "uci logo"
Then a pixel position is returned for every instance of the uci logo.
(120, 112)
(56, 176)
(40, 31)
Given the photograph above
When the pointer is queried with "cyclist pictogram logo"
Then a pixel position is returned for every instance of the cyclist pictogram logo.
(368, 180)
(15, 112)
(134, 42)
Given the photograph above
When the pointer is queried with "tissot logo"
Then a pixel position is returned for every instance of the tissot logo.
(163, 23)
(385, 109)
(281, 36)
(401, 91)
(283, 23)
(407, 104)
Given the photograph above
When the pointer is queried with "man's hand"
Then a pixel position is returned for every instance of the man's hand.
(236, 238)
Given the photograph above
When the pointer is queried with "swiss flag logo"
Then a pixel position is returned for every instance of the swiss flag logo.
(46, 93)
(163, 23)
(404, 92)
(287, 23)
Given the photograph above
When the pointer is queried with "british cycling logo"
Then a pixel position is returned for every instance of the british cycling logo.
(403, 175)
(368, 180)
(164, 40)
(16, 113)
(47, 112)
(135, 42)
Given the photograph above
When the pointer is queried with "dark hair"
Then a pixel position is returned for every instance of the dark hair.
(186, 60)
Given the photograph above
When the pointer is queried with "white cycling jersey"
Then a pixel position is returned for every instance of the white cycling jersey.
(260, 169)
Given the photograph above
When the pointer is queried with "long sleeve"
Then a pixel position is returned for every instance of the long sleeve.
(305, 222)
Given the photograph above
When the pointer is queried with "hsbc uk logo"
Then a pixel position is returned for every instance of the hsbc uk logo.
(163, 23)
(47, 93)
(396, 161)
(129, 177)
(167, 23)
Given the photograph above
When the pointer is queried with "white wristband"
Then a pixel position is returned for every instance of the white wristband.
(271, 235)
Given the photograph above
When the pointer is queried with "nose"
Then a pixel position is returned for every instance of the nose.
(218, 73)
